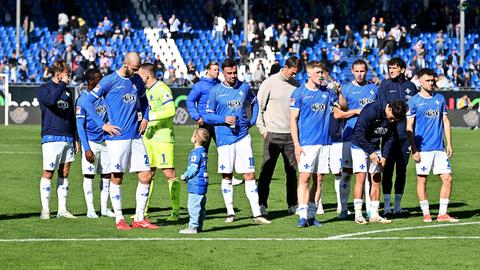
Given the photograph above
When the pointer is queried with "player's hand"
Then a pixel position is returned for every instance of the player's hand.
(357, 111)
(76, 147)
(375, 159)
(184, 178)
(200, 121)
(416, 157)
(383, 162)
(89, 156)
(298, 152)
(264, 135)
(230, 120)
(449, 151)
(143, 126)
(112, 130)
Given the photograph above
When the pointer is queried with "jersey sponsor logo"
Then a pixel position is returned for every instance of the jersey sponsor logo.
(318, 107)
(365, 101)
(101, 109)
(61, 104)
(432, 113)
(234, 104)
(380, 131)
(129, 98)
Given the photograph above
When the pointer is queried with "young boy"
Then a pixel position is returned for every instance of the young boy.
(197, 178)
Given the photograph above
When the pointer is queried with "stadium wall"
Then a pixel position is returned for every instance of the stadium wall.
(25, 107)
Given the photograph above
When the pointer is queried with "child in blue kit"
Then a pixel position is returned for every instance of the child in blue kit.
(197, 178)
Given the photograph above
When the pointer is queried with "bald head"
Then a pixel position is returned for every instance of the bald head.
(131, 64)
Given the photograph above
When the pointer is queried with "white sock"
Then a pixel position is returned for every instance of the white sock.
(398, 200)
(105, 185)
(367, 195)
(116, 198)
(302, 211)
(374, 208)
(142, 197)
(252, 195)
(387, 207)
(311, 210)
(62, 191)
(357, 205)
(425, 207)
(45, 186)
(337, 190)
(227, 191)
(443, 206)
(87, 191)
(345, 190)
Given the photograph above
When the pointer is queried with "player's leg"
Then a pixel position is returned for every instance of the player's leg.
(322, 167)
(290, 166)
(203, 213)
(88, 170)
(442, 167)
(306, 166)
(359, 160)
(151, 148)
(271, 151)
(174, 192)
(66, 158)
(400, 175)
(315, 204)
(375, 172)
(387, 178)
(50, 164)
(103, 168)
(335, 162)
(194, 208)
(345, 179)
(226, 155)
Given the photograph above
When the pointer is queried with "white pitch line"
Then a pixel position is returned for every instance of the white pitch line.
(402, 229)
(17, 152)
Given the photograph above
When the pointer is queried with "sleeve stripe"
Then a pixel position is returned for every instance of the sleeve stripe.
(95, 95)
(210, 110)
(297, 109)
(411, 116)
(167, 101)
(80, 116)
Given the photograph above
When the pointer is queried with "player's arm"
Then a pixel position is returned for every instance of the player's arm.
(342, 101)
(411, 138)
(193, 167)
(81, 124)
(340, 114)
(50, 96)
(254, 105)
(167, 110)
(364, 121)
(448, 134)
(295, 104)
(211, 117)
(262, 98)
(192, 99)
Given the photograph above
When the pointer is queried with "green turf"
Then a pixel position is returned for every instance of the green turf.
(20, 155)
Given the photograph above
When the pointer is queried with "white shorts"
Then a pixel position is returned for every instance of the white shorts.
(238, 155)
(100, 164)
(56, 153)
(347, 155)
(127, 156)
(437, 159)
(335, 158)
(315, 159)
(361, 161)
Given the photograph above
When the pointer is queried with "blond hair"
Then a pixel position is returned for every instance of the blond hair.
(202, 136)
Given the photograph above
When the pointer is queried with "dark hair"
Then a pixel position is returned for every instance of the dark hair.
(294, 62)
(399, 109)
(397, 61)
(60, 66)
(360, 62)
(150, 68)
(228, 63)
(425, 71)
(211, 63)
(90, 73)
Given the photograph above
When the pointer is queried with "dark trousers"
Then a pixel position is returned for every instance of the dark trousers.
(274, 145)
(398, 160)
(211, 131)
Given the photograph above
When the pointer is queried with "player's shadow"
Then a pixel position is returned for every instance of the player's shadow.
(19, 216)
(230, 227)
(417, 212)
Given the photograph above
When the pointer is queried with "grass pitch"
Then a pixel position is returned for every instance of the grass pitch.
(27, 242)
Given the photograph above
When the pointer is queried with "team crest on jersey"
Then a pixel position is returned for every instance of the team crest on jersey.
(365, 101)
(61, 104)
(129, 98)
(432, 113)
(318, 107)
(234, 104)
(380, 131)
(408, 91)
(101, 109)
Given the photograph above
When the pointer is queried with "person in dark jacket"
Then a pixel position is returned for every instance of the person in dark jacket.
(394, 89)
(376, 122)
(58, 137)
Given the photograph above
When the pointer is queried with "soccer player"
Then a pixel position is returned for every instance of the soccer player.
(94, 154)
(122, 91)
(396, 88)
(358, 94)
(226, 109)
(58, 137)
(427, 120)
(376, 121)
(159, 139)
(310, 106)
(273, 122)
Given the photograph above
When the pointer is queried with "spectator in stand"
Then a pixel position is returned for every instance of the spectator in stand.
(159, 66)
(349, 41)
(390, 45)
(100, 31)
(62, 22)
(74, 25)
(230, 50)
(372, 37)
(68, 38)
(439, 42)
(46, 74)
(219, 24)
(259, 74)
(186, 29)
(305, 57)
(242, 53)
(403, 38)
(43, 56)
(283, 42)
(69, 55)
(107, 27)
(275, 68)
(381, 38)
(443, 83)
(315, 29)
(305, 36)
(420, 50)
(162, 27)
(269, 35)
(335, 35)
(23, 74)
(381, 23)
(126, 27)
(174, 26)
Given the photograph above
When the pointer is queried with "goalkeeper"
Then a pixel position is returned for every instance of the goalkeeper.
(158, 138)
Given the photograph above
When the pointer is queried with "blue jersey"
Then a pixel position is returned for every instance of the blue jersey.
(122, 96)
(87, 129)
(314, 114)
(198, 182)
(357, 97)
(231, 101)
(428, 113)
